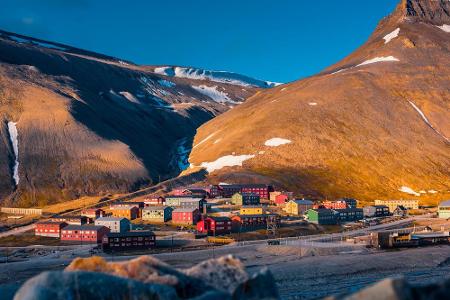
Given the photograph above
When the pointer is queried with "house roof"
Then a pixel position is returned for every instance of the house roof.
(49, 222)
(444, 203)
(252, 206)
(110, 219)
(83, 227)
(184, 210)
(68, 217)
(218, 218)
(303, 201)
(131, 233)
(156, 207)
(120, 206)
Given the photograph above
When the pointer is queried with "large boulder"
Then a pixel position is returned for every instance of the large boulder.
(148, 278)
(80, 285)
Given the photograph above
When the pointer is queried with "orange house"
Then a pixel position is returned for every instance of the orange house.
(130, 212)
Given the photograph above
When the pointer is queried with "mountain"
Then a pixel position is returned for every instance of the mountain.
(74, 122)
(373, 126)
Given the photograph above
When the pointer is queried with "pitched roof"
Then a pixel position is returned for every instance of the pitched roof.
(110, 219)
(303, 201)
(184, 210)
(83, 227)
(445, 203)
(156, 207)
(131, 233)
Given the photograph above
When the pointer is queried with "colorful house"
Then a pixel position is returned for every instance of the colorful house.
(187, 216)
(283, 198)
(298, 207)
(157, 213)
(272, 196)
(154, 201)
(393, 204)
(130, 212)
(245, 199)
(322, 216)
(84, 233)
(262, 190)
(250, 222)
(252, 210)
(214, 225)
(93, 213)
(133, 239)
(376, 211)
(350, 214)
(115, 224)
(444, 210)
(49, 228)
(334, 204)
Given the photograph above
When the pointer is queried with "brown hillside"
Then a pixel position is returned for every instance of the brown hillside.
(355, 130)
(90, 124)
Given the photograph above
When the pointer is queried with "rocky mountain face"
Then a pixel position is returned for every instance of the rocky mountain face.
(374, 125)
(73, 122)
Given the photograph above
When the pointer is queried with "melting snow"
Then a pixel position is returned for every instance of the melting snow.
(213, 93)
(225, 161)
(130, 97)
(275, 142)
(444, 27)
(13, 135)
(432, 191)
(408, 190)
(422, 115)
(261, 152)
(218, 140)
(378, 59)
(391, 35)
(422, 192)
(312, 103)
(216, 76)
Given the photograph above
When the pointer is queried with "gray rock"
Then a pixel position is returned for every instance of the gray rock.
(89, 285)
(260, 286)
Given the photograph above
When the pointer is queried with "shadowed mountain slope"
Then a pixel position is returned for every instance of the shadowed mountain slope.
(73, 122)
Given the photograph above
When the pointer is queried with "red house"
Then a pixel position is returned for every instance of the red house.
(260, 189)
(157, 201)
(187, 216)
(214, 225)
(332, 205)
(280, 200)
(84, 233)
(49, 228)
(250, 222)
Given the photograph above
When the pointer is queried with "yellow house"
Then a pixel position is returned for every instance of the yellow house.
(252, 210)
(393, 204)
(298, 207)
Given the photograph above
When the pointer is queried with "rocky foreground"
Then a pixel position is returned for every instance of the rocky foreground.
(224, 278)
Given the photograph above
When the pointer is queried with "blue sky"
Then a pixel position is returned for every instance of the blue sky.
(281, 40)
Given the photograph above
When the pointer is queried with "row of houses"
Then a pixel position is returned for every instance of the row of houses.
(227, 190)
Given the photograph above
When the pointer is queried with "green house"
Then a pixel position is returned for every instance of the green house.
(322, 216)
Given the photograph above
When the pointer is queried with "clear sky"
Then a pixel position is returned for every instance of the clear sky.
(277, 40)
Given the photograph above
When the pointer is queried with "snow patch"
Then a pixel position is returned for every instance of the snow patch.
(312, 103)
(215, 76)
(432, 191)
(13, 136)
(275, 142)
(216, 141)
(225, 161)
(422, 115)
(408, 190)
(130, 97)
(391, 35)
(378, 59)
(36, 43)
(213, 93)
(261, 152)
(423, 192)
(444, 27)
